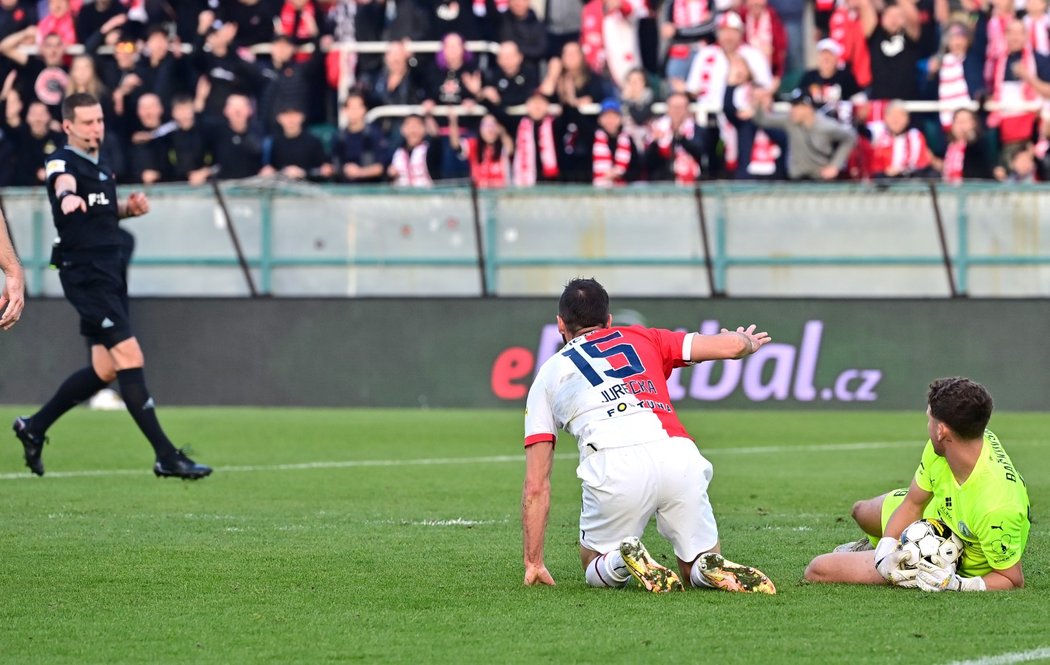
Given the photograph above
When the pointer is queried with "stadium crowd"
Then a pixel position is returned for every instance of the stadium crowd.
(526, 114)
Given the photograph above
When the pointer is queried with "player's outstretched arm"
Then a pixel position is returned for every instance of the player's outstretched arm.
(535, 507)
(136, 205)
(728, 344)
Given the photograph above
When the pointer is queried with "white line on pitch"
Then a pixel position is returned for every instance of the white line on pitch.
(1008, 658)
(491, 459)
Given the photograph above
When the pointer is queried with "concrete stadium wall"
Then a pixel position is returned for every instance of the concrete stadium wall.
(828, 354)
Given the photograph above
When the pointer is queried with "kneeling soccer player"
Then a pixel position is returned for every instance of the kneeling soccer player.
(966, 479)
(608, 387)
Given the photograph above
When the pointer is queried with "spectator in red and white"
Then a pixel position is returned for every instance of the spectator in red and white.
(445, 81)
(609, 37)
(519, 25)
(510, 81)
(417, 161)
(615, 160)
(488, 153)
(676, 150)
(1001, 15)
(959, 72)
(709, 74)
(301, 21)
(687, 25)
(537, 149)
(893, 44)
(341, 23)
(40, 77)
(1037, 25)
(832, 87)
(845, 28)
(59, 21)
(1021, 79)
(764, 31)
(967, 155)
(898, 151)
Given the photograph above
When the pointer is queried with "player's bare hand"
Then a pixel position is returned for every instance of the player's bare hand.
(72, 203)
(12, 297)
(138, 204)
(537, 575)
(755, 339)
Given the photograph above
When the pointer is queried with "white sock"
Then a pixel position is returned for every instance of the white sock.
(607, 570)
(697, 578)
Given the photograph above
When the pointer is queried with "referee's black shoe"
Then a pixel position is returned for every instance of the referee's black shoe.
(180, 466)
(32, 444)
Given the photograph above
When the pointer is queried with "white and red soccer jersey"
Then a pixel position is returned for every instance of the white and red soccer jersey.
(608, 388)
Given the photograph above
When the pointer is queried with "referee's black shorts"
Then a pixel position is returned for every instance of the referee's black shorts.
(95, 284)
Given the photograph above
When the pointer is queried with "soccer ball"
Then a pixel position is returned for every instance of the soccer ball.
(930, 540)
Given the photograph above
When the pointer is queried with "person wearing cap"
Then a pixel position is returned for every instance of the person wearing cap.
(615, 160)
(818, 147)
(832, 87)
(294, 153)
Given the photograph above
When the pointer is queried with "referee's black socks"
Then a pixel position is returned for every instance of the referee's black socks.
(140, 406)
(80, 385)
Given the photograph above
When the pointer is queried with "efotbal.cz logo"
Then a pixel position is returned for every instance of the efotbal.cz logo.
(779, 371)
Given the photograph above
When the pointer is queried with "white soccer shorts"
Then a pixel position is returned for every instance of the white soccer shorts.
(624, 487)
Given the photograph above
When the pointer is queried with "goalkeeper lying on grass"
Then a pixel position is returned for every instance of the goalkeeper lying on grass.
(966, 479)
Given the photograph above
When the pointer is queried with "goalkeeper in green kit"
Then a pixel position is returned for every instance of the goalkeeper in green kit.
(965, 479)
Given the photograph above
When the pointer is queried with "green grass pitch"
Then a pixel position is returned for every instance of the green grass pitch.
(275, 559)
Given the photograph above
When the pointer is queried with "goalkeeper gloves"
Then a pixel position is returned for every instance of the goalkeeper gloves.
(888, 559)
(933, 578)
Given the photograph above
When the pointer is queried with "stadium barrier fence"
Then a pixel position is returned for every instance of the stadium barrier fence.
(765, 239)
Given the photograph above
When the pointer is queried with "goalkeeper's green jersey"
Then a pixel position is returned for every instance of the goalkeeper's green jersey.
(990, 511)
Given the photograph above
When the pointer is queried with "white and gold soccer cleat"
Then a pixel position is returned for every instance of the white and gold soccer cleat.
(728, 576)
(643, 567)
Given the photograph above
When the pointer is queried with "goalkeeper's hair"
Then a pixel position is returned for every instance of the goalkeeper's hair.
(584, 303)
(963, 405)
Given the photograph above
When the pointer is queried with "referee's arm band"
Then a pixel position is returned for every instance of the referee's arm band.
(64, 193)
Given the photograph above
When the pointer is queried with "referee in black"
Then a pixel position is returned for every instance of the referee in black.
(91, 257)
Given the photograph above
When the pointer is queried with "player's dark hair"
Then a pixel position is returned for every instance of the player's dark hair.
(963, 405)
(75, 101)
(584, 303)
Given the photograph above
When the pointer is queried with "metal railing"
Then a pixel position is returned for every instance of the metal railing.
(722, 239)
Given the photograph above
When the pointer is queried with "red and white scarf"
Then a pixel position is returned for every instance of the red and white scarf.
(411, 166)
(953, 161)
(604, 159)
(1038, 30)
(1013, 125)
(708, 76)
(764, 154)
(996, 48)
(902, 153)
(686, 170)
(690, 13)
(951, 87)
(758, 32)
(525, 152)
(487, 168)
